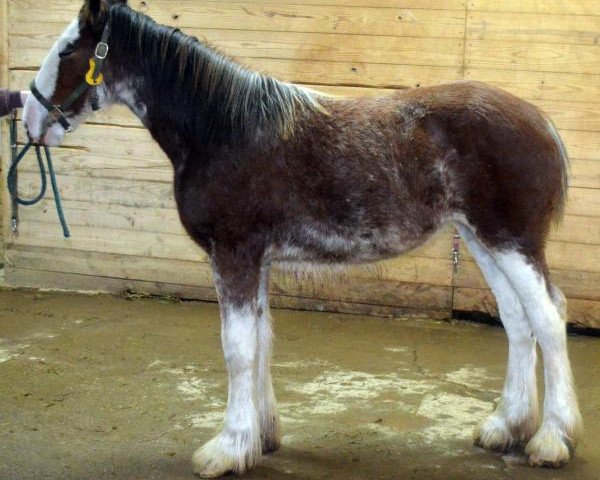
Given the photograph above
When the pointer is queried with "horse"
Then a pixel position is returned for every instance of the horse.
(266, 171)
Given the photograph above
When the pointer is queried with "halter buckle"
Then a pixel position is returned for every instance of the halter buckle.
(101, 51)
(57, 113)
(61, 118)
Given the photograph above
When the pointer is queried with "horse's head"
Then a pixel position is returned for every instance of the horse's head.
(68, 78)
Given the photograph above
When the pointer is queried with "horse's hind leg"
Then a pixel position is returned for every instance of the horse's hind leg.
(516, 417)
(553, 443)
(237, 447)
(270, 435)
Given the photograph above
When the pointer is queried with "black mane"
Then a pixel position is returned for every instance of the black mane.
(218, 97)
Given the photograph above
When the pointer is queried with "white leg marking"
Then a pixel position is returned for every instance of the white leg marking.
(561, 424)
(516, 417)
(267, 405)
(237, 447)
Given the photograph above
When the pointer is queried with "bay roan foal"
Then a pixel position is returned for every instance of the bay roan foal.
(266, 171)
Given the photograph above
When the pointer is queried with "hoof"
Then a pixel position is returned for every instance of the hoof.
(270, 437)
(225, 454)
(270, 444)
(493, 434)
(549, 448)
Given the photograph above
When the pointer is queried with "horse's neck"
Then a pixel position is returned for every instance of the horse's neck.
(197, 97)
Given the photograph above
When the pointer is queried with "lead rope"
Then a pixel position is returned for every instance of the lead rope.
(12, 178)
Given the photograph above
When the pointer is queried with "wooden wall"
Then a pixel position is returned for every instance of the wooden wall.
(117, 184)
(548, 52)
(4, 81)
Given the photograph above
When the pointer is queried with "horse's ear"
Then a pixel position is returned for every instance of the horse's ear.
(94, 12)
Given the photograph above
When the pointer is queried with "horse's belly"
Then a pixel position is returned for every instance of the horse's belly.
(320, 246)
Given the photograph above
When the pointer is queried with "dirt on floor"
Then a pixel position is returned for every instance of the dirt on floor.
(103, 387)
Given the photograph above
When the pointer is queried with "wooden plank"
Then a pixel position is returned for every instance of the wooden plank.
(577, 256)
(475, 300)
(582, 145)
(367, 20)
(537, 57)
(585, 173)
(416, 4)
(411, 268)
(574, 283)
(63, 11)
(583, 201)
(29, 18)
(108, 216)
(28, 51)
(4, 49)
(531, 27)
(577, 229)
(425, 311)
(579, 7)
(4, 148)
(73, 162)
(581, 313)
(582, 257)
(377, 292)
(550, 86)
(89, 284)
(572, 115)
(135, 143)
(368, 290)
(104, 240)
(104, 191)
(100, 264)
(65, 281)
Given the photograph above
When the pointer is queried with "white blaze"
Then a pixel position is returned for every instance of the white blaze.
(34, 113)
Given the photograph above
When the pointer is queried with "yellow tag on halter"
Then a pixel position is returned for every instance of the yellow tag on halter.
(89, 76)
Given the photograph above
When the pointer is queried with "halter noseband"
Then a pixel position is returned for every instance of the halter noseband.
(93, 78)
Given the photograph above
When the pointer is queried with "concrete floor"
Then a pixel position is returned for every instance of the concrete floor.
(109, 388)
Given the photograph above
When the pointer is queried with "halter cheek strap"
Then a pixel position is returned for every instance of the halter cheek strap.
(94, 76)
(57, 111)
(93, 79)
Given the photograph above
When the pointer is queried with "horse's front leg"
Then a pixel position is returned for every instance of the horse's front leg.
(238, 446)
(270, 433)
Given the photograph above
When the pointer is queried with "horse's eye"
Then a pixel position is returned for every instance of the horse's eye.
(69, 49)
